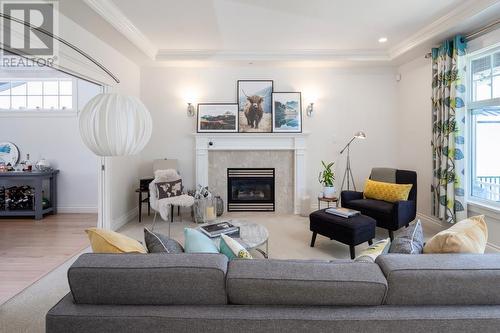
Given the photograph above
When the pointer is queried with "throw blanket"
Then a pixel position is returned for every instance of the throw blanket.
(163, 205)
(182, 200)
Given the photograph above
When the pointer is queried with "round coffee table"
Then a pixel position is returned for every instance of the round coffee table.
(251, 236)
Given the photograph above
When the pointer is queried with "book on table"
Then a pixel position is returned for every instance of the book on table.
(342, 212)
(219, 228)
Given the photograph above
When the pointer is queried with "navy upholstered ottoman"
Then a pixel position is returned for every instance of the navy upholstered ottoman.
(350, 231)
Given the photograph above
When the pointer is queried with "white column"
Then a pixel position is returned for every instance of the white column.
(300, 173)
(201, 161)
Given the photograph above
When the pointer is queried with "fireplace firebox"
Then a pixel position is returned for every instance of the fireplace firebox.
(250, 189)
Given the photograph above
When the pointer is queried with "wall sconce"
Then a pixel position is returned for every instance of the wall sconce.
(190, 110)
(310, 109)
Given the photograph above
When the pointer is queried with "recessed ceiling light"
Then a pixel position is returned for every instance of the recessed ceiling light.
(382, 39)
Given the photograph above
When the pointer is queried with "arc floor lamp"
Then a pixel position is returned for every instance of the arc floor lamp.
(348, 173)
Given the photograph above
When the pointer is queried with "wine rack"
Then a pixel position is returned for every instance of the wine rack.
(19, 198)
(22, 193)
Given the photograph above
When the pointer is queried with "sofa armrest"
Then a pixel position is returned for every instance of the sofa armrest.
(405, 212)
(346, 196)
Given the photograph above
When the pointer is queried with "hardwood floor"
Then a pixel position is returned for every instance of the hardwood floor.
(30, 249)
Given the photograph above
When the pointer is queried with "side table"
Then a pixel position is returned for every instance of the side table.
(327, 200)
(143, 188)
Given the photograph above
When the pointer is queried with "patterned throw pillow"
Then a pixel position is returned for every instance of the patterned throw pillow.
(169, 189)
(232, 249)
(373, 251)
(409, 241)
(158, 243)
(386, 191)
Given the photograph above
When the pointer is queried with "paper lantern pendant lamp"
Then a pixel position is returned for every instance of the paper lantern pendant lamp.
(115, 125)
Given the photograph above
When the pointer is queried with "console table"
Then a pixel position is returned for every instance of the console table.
(35, 179)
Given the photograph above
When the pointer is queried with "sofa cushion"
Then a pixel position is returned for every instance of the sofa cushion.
(159, 243)
(156, 278)
(232, 249)
(410, 240)
(441, 279)
(373, 251)
(387, 175)
(467, 236)
(67, 317)
(169, 189)
(381, 211)
(373, 205)
(386, 191)
(197, 242)
(107, 241)
(281, 282)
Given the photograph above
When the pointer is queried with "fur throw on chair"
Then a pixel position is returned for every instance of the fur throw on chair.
(163, 205)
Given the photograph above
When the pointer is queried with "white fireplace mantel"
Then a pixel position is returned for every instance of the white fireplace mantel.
(204, 142)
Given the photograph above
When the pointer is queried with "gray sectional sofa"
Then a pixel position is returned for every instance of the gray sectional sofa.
(206, 293)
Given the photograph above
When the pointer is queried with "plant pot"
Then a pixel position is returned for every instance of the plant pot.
(329, 191)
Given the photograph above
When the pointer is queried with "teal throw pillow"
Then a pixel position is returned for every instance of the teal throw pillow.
(196, 242)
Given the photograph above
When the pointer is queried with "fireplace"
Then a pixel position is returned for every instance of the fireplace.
(250, 189)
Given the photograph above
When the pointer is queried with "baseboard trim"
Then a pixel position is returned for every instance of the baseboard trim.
(430, 219)
(124, 219)
(424, 218)
(77, 209)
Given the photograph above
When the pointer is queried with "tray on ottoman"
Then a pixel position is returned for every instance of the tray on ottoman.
(351, 231)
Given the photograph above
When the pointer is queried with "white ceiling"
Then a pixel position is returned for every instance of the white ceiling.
(280, 24)
(274, 30)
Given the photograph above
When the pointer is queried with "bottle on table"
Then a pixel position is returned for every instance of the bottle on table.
(28, 165)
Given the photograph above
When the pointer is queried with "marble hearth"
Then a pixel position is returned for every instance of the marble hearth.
(284, 152)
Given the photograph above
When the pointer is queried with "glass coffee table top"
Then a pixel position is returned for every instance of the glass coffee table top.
(251, 235)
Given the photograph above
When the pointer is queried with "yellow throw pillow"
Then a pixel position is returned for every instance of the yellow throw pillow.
(106, 241)
(386, 191)
(467, 236)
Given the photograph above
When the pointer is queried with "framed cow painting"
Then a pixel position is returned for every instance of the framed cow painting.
(217, 118)
(287, 112)
(255, 105)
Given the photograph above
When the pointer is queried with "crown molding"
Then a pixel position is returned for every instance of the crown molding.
(436, 29)
(268, 55)
(112, 14)
(443, 24)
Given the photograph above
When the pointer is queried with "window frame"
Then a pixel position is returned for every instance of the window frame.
(470, 162)
(43, 111)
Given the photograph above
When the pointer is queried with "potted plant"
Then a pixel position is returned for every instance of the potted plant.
(326, 178)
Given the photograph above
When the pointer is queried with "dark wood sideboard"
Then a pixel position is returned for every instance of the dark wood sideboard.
(34, 179)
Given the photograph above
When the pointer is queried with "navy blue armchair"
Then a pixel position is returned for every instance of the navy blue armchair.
(390, 216)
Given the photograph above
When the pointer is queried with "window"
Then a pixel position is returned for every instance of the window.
(36, 95)
(484, 128)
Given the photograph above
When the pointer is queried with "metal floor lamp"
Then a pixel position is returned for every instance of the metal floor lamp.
(348, 173)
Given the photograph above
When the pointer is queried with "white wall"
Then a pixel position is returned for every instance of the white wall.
(56, 139)
(415, 132)
(347, 100)
(415, 127)
(122, 172)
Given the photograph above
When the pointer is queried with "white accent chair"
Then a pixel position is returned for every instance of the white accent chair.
(165, 206)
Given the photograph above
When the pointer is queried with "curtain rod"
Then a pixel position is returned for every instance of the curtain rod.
(61, 40)
(478, 33)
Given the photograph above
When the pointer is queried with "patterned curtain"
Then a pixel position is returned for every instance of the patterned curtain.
(448, 117)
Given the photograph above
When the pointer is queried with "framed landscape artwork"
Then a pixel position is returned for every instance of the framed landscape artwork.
(254, 105)
(217, 118)
(287, 112)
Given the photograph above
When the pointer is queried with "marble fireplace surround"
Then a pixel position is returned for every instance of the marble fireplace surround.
(289, 147)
